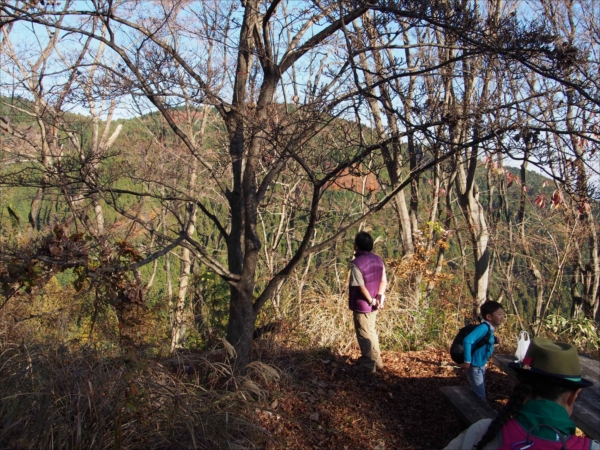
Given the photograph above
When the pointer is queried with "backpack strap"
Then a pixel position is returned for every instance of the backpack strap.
(485, 339)
(561, 437)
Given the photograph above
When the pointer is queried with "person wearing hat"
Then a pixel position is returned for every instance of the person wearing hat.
(537, 414)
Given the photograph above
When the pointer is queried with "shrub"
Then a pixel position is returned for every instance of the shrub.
(582, 333)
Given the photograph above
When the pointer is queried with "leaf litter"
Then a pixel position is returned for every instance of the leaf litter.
(399, 407)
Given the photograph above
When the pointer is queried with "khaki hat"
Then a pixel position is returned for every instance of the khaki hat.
(555, 362)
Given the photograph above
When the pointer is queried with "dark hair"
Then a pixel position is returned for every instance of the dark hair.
(364, 241)
(537, 389)
(489, 307)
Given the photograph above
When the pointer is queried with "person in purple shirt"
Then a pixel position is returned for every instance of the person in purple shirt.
(366, 295)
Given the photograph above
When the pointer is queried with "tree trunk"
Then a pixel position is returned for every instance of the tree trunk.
(240, 327)
(181, 313)
(475, 217)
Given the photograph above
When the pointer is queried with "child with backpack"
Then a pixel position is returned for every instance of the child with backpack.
(479, 346)
(537, 415)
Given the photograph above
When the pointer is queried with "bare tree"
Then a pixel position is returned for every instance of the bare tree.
(241, 66)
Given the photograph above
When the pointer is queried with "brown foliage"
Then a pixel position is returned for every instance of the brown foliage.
(99, 267)
(353, 181)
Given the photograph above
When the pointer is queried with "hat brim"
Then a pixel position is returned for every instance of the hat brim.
(535, 374)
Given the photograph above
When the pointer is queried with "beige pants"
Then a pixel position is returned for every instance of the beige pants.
(364, 324)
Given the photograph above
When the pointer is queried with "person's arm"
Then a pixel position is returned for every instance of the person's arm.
(366, 294)
(382, 288)
(356, 279)
(472, 435)
(470, 340)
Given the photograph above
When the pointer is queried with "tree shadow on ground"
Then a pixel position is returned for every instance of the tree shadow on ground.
(324, 402)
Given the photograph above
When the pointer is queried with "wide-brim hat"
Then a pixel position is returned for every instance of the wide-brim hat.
(554, 362)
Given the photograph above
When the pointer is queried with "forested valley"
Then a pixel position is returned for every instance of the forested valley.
(181, 182)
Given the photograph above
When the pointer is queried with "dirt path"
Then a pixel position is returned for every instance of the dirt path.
(323, 403)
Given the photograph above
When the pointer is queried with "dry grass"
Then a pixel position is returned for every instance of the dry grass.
(326, 321)
(52, 398)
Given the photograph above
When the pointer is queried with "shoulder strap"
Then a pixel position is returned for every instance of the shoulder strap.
(481, 342)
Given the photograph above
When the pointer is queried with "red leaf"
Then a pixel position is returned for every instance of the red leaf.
(540, 201)
(557, 198)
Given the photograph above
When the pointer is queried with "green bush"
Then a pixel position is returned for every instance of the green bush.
(582, 333)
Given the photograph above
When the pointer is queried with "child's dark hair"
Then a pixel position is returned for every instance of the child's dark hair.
(364, 241)
(537, 389)
(489, 307)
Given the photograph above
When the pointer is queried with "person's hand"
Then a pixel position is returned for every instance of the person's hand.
(465, 365)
